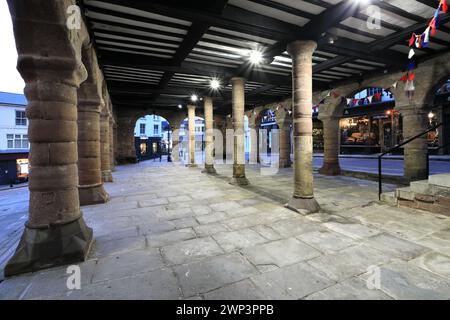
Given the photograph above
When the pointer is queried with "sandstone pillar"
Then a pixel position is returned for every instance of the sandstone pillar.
(209, 137)
(238, 98)
(55, 232)
(111, 143)
(126, 151)
(303, 199)
(415, 163)
(191, 135)
(175, 151)
(331, 146)
(105, 139)
(284, 129)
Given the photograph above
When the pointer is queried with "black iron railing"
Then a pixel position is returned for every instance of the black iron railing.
(397, 147)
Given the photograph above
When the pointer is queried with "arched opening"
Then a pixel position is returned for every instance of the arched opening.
(247, 139)
(318, 142)
(439, 140)
(370, 124)
(152, 138)
(200, 142)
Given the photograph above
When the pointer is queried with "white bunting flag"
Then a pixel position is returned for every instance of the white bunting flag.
(411, 53)
(370, 98)
(394, 85)
(349, 100)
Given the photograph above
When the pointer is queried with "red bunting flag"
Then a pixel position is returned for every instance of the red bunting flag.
(404, 78)
(411, 76)
(444, 6)
(433, 26)
(412, 40)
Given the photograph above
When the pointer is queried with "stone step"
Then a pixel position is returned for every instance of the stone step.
(426, 188)
(441, 180)
(389, 198)
(405, 194)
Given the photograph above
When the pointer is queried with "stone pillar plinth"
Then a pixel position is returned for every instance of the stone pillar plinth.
(415, 163)
(238, 99)
(303, 200)
(254, 140)
(191, 135)
(90, 187)
(209, 137)
(331, 146)
(105, 142)
(55, 233)
(126, 151)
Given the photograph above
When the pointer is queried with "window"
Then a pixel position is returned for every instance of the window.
(155, 117)
(17, 141)
(155, 129)
(21, 120)
(10, 139)
(142, 128)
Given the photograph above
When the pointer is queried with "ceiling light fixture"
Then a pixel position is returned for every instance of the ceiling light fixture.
(256, 57)
(194, 98)
(180, 106)
(215, 84)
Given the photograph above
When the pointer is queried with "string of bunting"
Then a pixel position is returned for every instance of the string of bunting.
(419, 41)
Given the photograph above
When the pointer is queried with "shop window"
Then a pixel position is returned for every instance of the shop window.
(359, 131)
(21, 120)
(155, 147)
(143, 147)
(23, 168)
(142, 128)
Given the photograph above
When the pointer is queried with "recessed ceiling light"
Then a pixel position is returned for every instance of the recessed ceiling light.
(180, 106)
(194, 98)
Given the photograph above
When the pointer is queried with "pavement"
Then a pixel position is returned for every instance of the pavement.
(171, 232)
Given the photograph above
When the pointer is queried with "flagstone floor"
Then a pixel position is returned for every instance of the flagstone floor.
(171, 232)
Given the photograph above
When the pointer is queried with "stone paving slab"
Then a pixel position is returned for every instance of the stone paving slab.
(201, 238)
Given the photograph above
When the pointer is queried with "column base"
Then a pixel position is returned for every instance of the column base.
(92, 195)
(127, 160)
(303, 205)
(239, 181)
(209, 169)
(107, 176)
(330, 169)
(285, 164)
(191, 165)
(50, 247)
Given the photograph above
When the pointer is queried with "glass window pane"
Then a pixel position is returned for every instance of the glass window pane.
(10, 144)
(9, 136)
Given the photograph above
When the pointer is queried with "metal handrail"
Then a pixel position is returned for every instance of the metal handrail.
(380, 174)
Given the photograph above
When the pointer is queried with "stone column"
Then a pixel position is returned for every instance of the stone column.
(111, 143)
(90, 187)
(284, 129)
(105, 139)
(175, 151)
(209, 137)
(238, 98)
(415, 163)
(55, 232)
(331, 146)
(303, 199)
(126, 151)
(191, 135)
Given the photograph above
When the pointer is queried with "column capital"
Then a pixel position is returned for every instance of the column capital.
(207, 100)
(191, 107)
(238, 80)
(301, 47)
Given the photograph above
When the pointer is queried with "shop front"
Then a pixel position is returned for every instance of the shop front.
(148, 147)
(439, 140)
(14, 167)
(370, 126)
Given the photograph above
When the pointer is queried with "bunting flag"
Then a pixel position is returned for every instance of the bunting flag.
(443, 6)
(412, 40)
(328, 94)
(370, 98)
(349, 100)
(394, 85)
(411, 53)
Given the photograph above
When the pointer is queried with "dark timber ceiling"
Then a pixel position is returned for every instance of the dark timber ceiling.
(157, 53)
